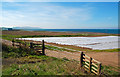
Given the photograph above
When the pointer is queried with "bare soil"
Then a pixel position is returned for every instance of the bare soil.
(107, 58)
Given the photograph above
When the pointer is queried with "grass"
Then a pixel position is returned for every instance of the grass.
(16, 64)
(57, 49)
(8, 51)
(46, 66)
(10, 37)
(80, 49)
(110, 70)
(19, 62)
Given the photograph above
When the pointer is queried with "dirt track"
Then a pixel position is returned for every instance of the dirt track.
(107, 58)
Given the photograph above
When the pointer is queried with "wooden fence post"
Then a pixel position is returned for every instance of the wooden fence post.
(25, 44)
(20, 45)
(90, 63)
(43, 47)
(13, 42)
(81, 59)
(31, 45)
(99, 68)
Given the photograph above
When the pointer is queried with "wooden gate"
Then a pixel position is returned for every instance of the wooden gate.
(37, 47)
(89, 64)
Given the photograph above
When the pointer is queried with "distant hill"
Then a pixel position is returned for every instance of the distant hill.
(27, 27)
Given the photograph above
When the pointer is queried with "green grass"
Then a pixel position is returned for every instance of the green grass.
(110, 70)
(8, 51)
(46, 66)
(9, 37)
(57, 49)
(29, 64)
(107, 50)
(80, 49)
(20, 63)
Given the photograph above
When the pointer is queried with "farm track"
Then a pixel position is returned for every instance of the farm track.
(107, 58)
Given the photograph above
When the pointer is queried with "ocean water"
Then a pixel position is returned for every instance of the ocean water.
(110, 31)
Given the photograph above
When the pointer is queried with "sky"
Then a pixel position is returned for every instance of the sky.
(60, 0)
(60, 15)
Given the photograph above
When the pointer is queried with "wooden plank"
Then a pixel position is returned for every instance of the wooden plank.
(85, 56)
(87, 63)
(39, 50)
(90, 62)
(94, 68)
(95, 61)
(86, 66)
(18, 42)
(17, 45)
(94, 65)
(99, 68)
(94, 72)
(86, 60)
(36, 44)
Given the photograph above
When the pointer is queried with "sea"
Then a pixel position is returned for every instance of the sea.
(110, 31)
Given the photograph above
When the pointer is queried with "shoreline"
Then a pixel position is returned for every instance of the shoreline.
(108, 31)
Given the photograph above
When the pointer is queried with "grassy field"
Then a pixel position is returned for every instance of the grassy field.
(10, 37)
(26, 34)
(17, 62)
(20, 62)
(73, 49)
(48, 33)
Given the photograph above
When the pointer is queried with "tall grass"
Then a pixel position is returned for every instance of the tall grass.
(8, 51)
(20, 62)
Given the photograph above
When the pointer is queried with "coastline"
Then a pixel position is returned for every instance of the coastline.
(108, 31)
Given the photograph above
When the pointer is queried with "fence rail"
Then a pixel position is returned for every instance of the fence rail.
(38, 47)
(91, 65)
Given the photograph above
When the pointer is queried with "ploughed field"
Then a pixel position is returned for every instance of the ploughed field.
(100, 43)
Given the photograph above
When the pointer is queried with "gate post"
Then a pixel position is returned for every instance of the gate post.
(81, 59)
(43, 47)
(31, 45)
(99, 68)
(13, 42)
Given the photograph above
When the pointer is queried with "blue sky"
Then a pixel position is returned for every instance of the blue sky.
(60, 15)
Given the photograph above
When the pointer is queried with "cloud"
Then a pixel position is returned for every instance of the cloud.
(44, 15)
(8, 0)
